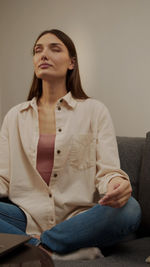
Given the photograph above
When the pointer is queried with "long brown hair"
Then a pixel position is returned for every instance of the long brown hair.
(73, 81)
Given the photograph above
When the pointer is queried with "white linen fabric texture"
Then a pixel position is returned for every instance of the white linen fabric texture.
(87, 160)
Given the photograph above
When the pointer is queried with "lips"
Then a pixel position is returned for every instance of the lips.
(44, 65)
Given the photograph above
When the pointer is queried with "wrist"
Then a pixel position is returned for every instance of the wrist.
(117, 179)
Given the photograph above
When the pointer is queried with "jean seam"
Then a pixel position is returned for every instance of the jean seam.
(11, 217)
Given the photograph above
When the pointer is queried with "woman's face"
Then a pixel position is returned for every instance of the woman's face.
(51, 58)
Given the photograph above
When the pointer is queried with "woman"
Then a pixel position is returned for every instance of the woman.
(57, 152)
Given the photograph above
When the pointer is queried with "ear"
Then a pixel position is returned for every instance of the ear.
(72, 63)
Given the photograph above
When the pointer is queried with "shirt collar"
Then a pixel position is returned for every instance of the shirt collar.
(33, 103)
(68, 98)
(30, 103)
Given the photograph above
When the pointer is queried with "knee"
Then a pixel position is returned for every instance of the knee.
(131, 215)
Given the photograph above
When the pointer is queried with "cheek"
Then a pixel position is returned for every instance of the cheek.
(63, 62)
(35, 64)
(35, 61)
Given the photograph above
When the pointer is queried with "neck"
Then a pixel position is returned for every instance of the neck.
(52, 92)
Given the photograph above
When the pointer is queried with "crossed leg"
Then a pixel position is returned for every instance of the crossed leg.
(99, 226)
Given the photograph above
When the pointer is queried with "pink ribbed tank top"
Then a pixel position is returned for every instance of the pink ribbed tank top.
(45, 156)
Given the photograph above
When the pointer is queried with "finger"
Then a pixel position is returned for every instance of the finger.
(120, 203)
(113, 195)
(116, 203)
(118, 195)
(115, 199)
(119, 191)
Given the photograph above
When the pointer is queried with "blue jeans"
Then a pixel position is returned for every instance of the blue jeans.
(99, 226)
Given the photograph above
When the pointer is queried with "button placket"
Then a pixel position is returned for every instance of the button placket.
(59, 107)
(51, 217)
(55, 175)
(58, 142)
(52, 220)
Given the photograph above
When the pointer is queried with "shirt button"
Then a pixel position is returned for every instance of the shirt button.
(59, 108)
(55, 175)
(59, 129)
(50, 195)
(58, 151)
(51, 221)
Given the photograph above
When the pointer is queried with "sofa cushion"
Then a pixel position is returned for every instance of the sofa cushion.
(127, 254)
(144, 186)
(130, 152)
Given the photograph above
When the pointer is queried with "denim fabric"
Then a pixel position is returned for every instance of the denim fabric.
(99, 226)
(13, 221)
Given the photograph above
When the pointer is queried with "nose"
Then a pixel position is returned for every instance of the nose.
(44, 54)
(44, 57)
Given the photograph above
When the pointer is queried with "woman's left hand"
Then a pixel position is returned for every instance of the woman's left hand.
(118, 192)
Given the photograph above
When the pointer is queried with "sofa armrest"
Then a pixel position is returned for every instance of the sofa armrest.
(131, 153)
(144, 187)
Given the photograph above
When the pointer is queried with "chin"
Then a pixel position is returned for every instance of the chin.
(44, 76)
(49, 77)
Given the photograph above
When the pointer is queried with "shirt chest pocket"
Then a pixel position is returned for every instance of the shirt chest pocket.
(83, 151)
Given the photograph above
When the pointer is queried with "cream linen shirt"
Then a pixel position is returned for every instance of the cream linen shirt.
(85, 159)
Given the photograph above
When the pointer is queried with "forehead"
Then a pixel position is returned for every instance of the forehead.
(48, 39)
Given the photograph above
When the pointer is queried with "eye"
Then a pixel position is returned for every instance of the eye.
(56, 49)
(37, 50)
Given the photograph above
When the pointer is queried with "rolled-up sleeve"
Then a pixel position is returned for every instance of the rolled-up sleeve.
(107, 157)
(4, 159)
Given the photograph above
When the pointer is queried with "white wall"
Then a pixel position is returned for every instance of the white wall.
(113, 43)
(0, 103)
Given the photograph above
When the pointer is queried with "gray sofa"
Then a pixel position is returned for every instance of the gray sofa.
(135, 160)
